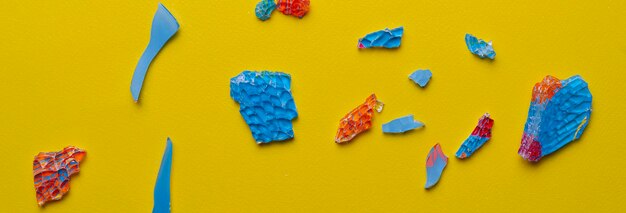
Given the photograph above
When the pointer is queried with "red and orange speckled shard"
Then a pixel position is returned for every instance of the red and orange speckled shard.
(297, 8)
(52, 171)
(358, 120)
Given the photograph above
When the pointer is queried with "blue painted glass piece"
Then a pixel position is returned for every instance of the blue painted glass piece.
(264, 9)
(421, 77)
(164, 26)
(436, 161)
(266, 104)
(162, 188)
(384, 38)
(470, 145)
(479, 47)
(555, 122)
(401, 125)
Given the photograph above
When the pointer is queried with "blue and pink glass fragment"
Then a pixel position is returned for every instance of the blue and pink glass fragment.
(383, 38)
(559, 113)
(421, 77)
(480, 135)
(52, 172)
(164, 26)
(264, 9)
(401, 125)
(479, 47)
(435, 163)
(266, 104)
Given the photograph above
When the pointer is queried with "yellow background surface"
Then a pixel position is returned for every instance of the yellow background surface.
(66, 68)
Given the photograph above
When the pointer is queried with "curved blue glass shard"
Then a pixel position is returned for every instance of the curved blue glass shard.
(164, 26)
(436, 161)
(421, 77)
(162, 188)
(401, 125)
(383, 38)
(479, 47)
(266, 104)
(264, 9)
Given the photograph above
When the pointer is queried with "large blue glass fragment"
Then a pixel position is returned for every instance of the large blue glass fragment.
(264, 9)
(421, 77)
(479, 47)
(383, 38)
(401, 125)
(559, 113)
(164, 26)
(436, 161)
(266, 104)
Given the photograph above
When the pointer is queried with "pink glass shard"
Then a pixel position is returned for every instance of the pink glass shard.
(52, 172)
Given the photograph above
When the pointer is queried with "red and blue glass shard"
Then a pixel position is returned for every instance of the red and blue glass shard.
(383, 38)
(435, 163)
(401, 125)
(266, 104)
(479, 47)
(480, 135)
(162, 203)
(421, 77)
(164, 26)
(52, 172)
(264, 9)
(559, 113)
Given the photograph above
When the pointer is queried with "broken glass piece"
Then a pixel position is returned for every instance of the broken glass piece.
(164, 26)
(383, 38)
(52, 172)
(480, 135)
(435, 163)
(358, 120)
(401, 125)
(559, 113)
(162, 202)
(264, 9)
(479, 47)
(421, 77)
(297, 8)
(266, 104)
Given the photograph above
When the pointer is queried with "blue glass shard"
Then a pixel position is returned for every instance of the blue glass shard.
(436, 161)
(479, 47)
(266, 104)
(164, 26)
(421, 77)
(401, 125)
(264, 9)
(384, 38)
(162, 202)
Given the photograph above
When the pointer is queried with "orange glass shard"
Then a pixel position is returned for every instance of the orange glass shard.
(52, 171)
(358, 120)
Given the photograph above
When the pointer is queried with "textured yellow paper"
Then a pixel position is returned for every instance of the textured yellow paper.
(66, 68)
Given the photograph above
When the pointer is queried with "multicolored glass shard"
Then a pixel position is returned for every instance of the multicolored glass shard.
(480, 135)
(52, 171)
(383, 38)
(435, 163)
(401, 125)
(479, 47)
(358, 120)
(421, 77)
(297, 8)
(265, 102)
(559, 113)
(264, 9)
